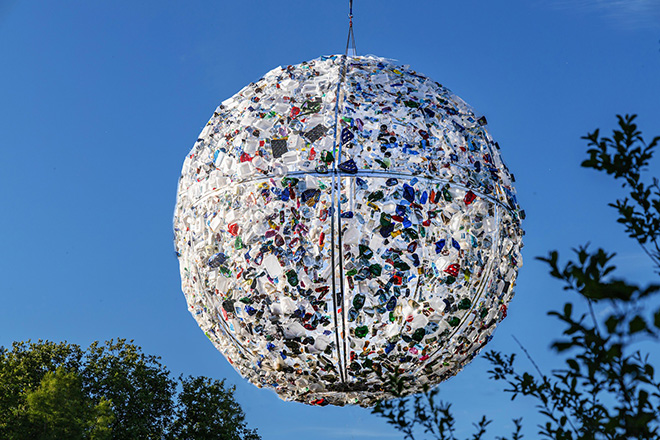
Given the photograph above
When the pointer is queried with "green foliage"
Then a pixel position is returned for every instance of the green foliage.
(109, 391)
(626, 156)
(59, 408)
(21, 370)
(205, 410)
(433, 416)
(138, 385)
(607, 389)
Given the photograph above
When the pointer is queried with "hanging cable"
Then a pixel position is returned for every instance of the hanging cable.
(350, 42)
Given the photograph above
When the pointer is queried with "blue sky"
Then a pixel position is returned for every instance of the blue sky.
(101, 101)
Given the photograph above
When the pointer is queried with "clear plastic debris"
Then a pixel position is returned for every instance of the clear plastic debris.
(333, 229)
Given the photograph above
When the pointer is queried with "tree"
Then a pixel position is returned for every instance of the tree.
(203, 410)
(607, 389)
(59, 409)
(138, 385)
(109, 391)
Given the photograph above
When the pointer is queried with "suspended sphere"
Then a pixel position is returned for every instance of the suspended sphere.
(342, 220)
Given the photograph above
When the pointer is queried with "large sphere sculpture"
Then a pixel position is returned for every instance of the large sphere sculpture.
(342, 220)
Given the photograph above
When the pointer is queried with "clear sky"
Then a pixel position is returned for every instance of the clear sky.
(100, 101)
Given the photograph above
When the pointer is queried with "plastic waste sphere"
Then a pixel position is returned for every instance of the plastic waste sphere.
(342, 220)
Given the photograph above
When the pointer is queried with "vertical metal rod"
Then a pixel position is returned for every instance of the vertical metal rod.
(336, 236)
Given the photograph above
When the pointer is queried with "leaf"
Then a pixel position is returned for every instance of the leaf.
(636, 325)
(612, 323)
